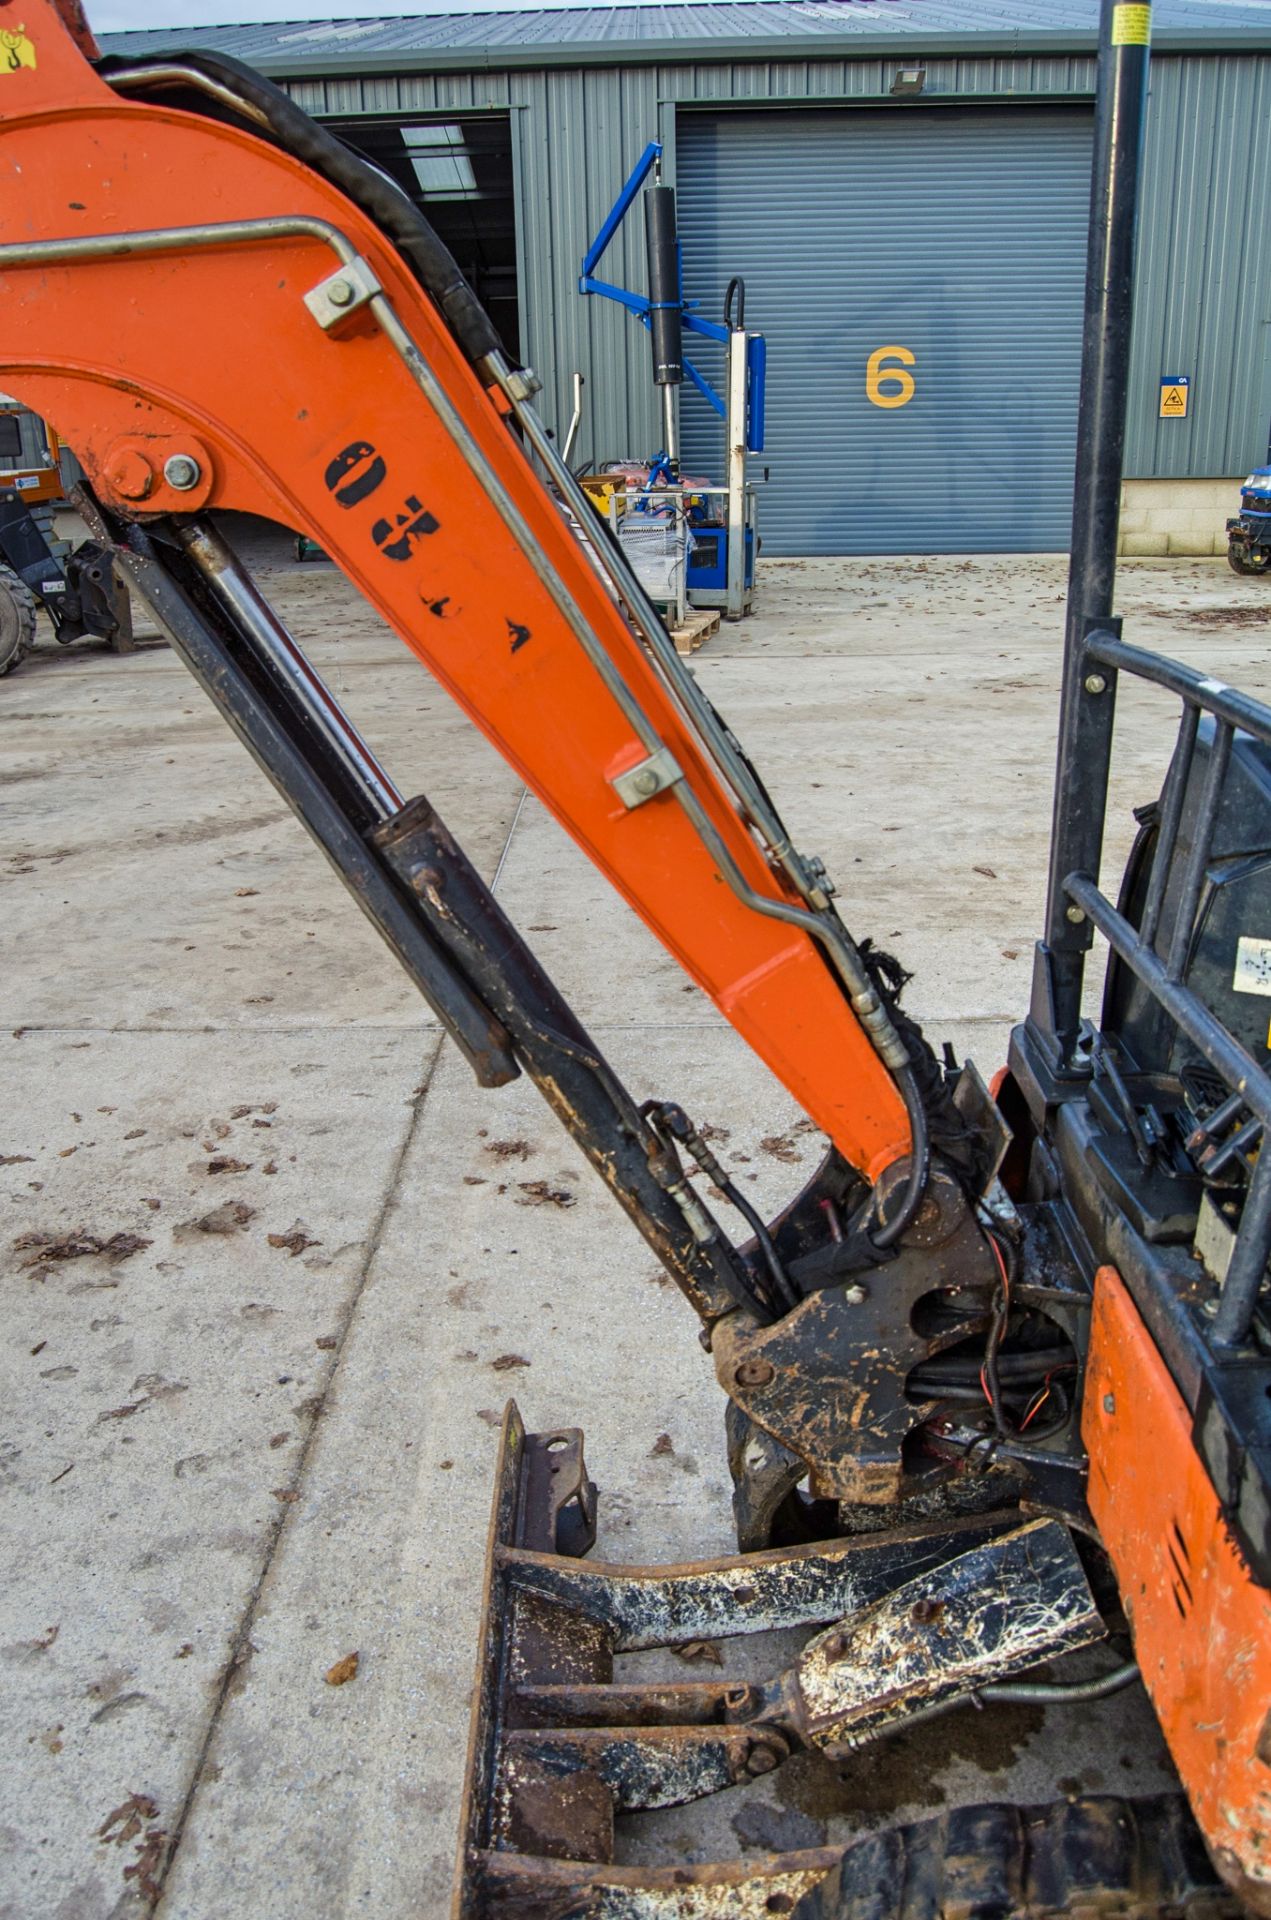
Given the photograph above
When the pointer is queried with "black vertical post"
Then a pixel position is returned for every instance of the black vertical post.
(1086, 711)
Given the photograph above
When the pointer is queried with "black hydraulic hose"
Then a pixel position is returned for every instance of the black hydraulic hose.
(1031, 1365)
(666, 1114)
(919, 1162)
(786, 1292)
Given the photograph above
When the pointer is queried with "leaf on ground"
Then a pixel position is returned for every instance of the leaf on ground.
(77, 1246)
(506, 1361)
(662, 1445)
(136, 1808)
(226, 1163)
(781, 1147)
(294, 1241)
(343, 1671)
(537, 1193)
(988, 872)
(145, 1867)
(14, 1159)
(230, 1217)
(509, 1149)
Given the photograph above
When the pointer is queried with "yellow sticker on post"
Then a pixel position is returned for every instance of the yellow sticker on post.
(1131, 25)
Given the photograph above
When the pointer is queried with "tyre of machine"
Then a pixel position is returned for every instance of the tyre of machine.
(17, 619)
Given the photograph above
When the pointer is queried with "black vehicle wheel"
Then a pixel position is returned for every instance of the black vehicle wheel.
(1241, 560)
(17, 619)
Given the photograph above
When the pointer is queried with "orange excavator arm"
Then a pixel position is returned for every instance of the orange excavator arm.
(210, 323)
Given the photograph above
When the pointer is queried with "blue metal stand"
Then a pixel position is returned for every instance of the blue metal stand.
(640, 305)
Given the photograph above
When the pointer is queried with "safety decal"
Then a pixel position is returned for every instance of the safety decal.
(1175, 393)
(16, 50)
(1253, 966)
(1131, 25)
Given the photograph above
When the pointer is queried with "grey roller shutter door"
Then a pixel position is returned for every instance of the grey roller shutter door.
(957, 235)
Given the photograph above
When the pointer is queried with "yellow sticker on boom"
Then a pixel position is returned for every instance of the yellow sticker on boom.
(1131, 25)
(16, 50)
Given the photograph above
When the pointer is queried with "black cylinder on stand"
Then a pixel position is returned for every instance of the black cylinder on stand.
(665, 315)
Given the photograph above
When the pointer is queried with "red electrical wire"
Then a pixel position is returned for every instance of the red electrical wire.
(1006, 1304)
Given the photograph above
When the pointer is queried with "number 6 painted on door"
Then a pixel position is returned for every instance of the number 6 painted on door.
(900, 385)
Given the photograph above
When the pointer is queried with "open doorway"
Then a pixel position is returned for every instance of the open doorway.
(457, 168)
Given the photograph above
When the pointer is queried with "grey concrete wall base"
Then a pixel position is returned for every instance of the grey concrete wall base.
(1184, 517)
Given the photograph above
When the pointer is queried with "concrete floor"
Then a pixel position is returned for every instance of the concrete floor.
(254, 1435)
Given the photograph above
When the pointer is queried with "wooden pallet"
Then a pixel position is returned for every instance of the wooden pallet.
(699, 624)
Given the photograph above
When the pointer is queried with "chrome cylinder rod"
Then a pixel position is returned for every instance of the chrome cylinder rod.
(233, 586)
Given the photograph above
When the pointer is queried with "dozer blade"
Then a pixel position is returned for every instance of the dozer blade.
(918, 1617)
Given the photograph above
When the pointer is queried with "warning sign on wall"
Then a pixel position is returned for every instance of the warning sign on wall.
(1174, 394)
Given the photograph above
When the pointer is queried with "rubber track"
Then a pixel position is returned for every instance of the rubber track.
(1096, 1856)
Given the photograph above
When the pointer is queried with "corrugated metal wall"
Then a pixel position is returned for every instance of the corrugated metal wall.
(1204, 284)
(577, 132)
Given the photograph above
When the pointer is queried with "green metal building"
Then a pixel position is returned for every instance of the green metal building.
(902, 184)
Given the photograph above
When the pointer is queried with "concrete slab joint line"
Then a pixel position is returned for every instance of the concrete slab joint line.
(240, 1649)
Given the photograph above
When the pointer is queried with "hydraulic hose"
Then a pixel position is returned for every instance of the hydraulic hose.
(667, 1115)
(786, 1292)
(919, 1162)
(1015, 1368)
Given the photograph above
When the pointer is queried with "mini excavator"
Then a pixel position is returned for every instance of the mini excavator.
(998, 1380)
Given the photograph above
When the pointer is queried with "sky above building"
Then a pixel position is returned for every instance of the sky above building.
(113, 16)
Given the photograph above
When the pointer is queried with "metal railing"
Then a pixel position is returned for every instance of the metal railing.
(1104, 656)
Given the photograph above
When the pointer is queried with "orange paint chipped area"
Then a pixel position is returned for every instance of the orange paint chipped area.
(1201, 1625)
